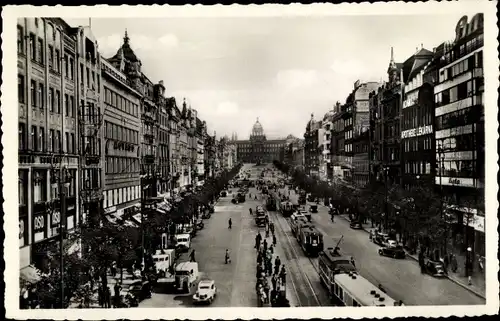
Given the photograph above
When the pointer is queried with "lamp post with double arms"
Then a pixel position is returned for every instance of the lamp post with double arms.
(440, 154)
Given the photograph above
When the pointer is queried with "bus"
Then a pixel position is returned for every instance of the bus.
(344, 284)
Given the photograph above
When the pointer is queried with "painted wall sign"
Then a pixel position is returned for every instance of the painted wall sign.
(424, 130)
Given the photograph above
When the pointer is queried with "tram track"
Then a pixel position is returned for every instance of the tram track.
(303, 286)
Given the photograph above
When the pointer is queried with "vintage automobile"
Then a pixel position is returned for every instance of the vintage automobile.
(223, 194)
(356, 225)
(313, 208)
(434, 268)
(140, 290)
(396, 252)
(206, 214)
(383, 239)
(200, 225)
(206, 292)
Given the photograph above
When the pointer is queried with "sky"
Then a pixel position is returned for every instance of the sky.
(277, 69)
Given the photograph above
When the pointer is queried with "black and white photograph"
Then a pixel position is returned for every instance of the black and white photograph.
(202, 162)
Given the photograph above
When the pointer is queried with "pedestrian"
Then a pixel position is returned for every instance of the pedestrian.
(453, 263)
(283, 275)
(273, 281)
(446, 262)
(192, 256)
(352, 261)
(117, 289)
(271, 227)
(230, 223)
(113, 269)
(108, 297)
(271, 248)
(274, 240)
(250, 210)
(100, 296)
(227, 258)
(259, 258)
(265, 245)
(266, 290)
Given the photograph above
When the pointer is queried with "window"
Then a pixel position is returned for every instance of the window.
(32, 47)
(33, 93)
(58, 142)
(41, 96)
(58, 102)
(72, 143)
(20, 39)
(20, 89)
(41, 139)
(66, 105)
(22, 136)
(93, 80)
(51, 100)
(66, 138)
(98, 84)
(57, 62)
(39, 186)
(51, 57)
(52, 143)
(34, 139)
(66, 66)
(40, 49)
(88, 77)
(72, 109)
(71, 68)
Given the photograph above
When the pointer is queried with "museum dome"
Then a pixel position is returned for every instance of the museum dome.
(257, 129)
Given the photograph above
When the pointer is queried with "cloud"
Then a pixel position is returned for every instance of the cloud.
(296, 78)
(227, 108)
(349, 67)
(141, 43)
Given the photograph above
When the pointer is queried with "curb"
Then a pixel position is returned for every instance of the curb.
(463, 285)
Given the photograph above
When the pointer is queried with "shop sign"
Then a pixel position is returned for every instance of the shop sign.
(55, 219)
(475, 221)
(410, 101)
(39, 223)
(424, 130)
(21, 229)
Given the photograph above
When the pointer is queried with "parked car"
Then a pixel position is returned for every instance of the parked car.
(223, 194)
(382, 239)
(356, 226)
(200, 225)
(206, 292)
(313, 208)
(206, 215)
(434, 268)
(140, 290)
(396, 252)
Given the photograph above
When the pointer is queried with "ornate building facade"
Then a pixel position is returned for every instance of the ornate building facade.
(258, 149)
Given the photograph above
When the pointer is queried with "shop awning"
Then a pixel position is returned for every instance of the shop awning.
(30, 274)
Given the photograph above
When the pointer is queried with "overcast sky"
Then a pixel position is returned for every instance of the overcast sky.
(233, 70)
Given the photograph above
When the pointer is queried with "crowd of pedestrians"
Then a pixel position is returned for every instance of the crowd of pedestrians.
(271, 278)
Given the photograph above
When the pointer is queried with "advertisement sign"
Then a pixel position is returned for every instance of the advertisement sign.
(476, 222)
(424, 130)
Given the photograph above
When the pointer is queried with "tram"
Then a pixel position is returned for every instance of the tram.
(311, 240)
(344, 284)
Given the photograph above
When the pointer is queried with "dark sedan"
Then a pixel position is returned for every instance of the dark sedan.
(396, 252)
(356, 226)
(434, 268)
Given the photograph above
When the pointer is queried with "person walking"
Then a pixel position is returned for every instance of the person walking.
(192, 256)
(283, 275)
(277, 263)
(453, 263)
(116, 300)
(107, 297)
(250, 210)
(273, 281)
(227, 259)
(265, 245)
(230, 223)
(274, 240)
(271, 227)
(352, 261)
(100, 296)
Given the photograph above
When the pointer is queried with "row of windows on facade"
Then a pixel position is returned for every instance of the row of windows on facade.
(37, 50)
(465, 142)
(461, 67)
(121, 165)
(465, 49)
(37, 143)
(460, 117)
(118, 101)
(457, 168)
(386, 154)
(417, 144)
(417, 117)
(460, 92)
(120, 133)
(387, 131)
(121, 195)
(37, 94)
(40, 186)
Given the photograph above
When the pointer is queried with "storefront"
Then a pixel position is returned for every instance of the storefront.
(468, 229)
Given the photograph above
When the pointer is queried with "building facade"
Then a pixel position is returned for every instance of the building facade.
(258, 149)
(123, 130)
(201, 134)
(417, 120)
(48, 96)
(460, 133)
(162, 153)
(311, 152)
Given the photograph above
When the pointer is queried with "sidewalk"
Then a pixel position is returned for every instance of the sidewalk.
(478, 286)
